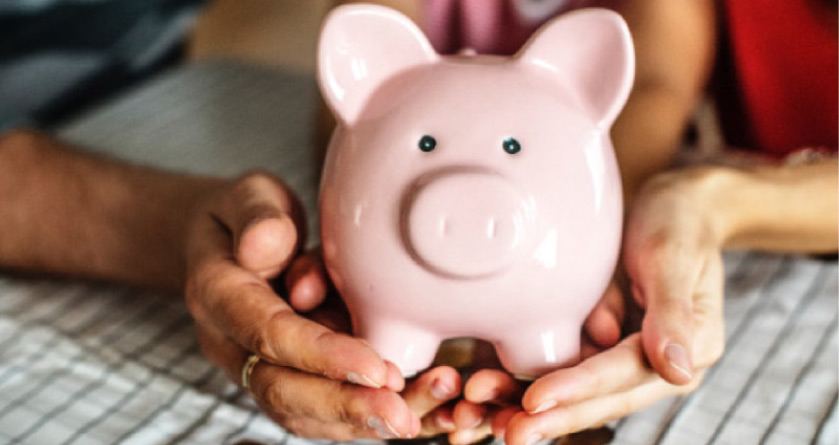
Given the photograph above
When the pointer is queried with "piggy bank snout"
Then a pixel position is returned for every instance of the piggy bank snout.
(465, 224)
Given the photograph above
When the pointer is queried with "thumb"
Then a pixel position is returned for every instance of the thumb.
(664, 283)
(266, 244)
(263, 218)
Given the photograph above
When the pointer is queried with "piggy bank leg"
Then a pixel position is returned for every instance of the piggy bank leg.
(527, 355)
(409, 347)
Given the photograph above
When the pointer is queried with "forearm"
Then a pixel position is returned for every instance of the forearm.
(780, 208)
(68, 213)
(647, 134)
(675, 44)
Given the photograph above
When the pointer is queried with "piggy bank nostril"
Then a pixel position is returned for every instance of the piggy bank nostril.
(445, 226)
(492, 228)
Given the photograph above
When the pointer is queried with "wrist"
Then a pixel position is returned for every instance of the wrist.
(712, 195)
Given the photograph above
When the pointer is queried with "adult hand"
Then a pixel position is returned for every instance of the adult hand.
(672, 259)
(431, 395)
(311, 380)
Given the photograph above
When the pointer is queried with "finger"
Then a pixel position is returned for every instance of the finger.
(525, 429)
(708, 304)
(588, 348)
(473, 423)
(289, 392)
(615, 370)
(267, 245)
(307, 427)
(439, 421)
(252, 315)
(493, 386)
(468, 415)
(432, 389)
(248, 311)
(307, 282)
(230, 357)
(263, 218)
(465, 437)
(666, 330)
(501, 419)
(311, 428)
(603, 325)
(664, 278)
(395, 381)
(222, 352)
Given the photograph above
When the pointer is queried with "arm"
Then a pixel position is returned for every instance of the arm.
(781, 208)
(675, 43)
(65, 212)
(677, 227)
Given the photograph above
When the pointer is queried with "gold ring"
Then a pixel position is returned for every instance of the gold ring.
(247, 370)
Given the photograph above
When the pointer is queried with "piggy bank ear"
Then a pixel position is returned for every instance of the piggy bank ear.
(360, 47)
(589, 51)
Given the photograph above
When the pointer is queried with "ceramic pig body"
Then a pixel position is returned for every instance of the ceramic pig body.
(472, 196)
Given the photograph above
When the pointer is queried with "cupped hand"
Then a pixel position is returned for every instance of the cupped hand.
(312, 380)
(673, 261)
(433, 396)
(492, 396)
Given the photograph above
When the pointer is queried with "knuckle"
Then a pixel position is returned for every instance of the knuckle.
(196, 287)
(273, 395)
(315, 362)
(346, 413)
(268, 338)
(258, 342)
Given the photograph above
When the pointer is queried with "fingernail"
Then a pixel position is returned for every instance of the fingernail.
(550, 404)
(677, 356)
(533, 438)
(383, 428)
(440, 391)
(363, 380)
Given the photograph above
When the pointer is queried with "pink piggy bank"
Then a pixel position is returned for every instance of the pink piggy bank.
(472, 196)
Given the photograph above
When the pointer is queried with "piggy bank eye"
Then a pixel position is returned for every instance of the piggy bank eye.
(511, 145)
(427, 143)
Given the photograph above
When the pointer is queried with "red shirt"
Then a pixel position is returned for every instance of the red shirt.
(783, 58)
